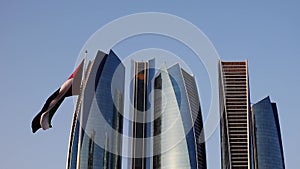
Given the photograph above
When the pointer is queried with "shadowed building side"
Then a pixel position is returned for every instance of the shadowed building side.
(268, 143)
(141, 125)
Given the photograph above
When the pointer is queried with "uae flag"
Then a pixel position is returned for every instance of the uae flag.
(70, 87)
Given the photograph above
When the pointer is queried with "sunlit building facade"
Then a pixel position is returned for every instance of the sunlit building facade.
(235, 116)
(165, 124)
(250, 137)
(177, 131)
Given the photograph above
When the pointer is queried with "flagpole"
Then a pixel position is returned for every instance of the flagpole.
(85, 59)
(85, 54)
(76, 117)
(80, 114)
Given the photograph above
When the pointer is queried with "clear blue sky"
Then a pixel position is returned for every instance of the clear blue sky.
(40, 41)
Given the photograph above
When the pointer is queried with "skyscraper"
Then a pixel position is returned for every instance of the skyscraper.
(235, 116)
(75, 127)
(249, 139)
(267, 136)
(165, 122)
(94, 144)
(177, 130)
(141, 123)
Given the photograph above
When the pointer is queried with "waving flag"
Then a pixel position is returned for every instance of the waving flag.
(70, 87)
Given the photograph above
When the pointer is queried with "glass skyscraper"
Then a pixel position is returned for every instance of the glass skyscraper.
(165, 123)
(143, 73)
(94, 142)
(267, 136)
(177, 130)
(250, 137)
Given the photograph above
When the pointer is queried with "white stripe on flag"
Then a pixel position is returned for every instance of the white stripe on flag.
(62, 92)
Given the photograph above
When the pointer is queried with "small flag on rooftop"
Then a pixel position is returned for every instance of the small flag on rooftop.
(70, 87)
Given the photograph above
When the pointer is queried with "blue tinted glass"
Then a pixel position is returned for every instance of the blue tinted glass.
(267, 136)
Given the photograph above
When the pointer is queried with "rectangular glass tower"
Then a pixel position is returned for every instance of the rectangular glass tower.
(142, 73)
(140, 100)
(267, 135)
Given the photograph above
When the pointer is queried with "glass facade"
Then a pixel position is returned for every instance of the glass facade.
(73, 149)
(167, 110)
(249, 139)
(96, 142)
(74, 133)
(141, 125)
(178, 121)
(166, 116)
(268, 144)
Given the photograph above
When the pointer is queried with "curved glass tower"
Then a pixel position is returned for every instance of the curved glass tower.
(268, 144)
(166, 124)
(177, 130)
(95, 141)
